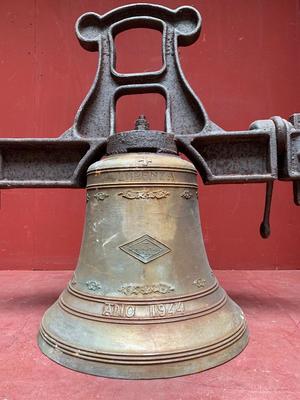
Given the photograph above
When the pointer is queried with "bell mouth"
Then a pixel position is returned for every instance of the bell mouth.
(125, 365)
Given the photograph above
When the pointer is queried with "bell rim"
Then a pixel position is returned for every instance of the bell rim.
(139, 371)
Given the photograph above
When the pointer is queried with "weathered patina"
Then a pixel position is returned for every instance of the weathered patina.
(143, 301)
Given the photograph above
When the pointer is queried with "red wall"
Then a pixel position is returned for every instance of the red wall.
(244, 67)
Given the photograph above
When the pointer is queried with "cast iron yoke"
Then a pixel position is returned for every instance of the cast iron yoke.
(269, 150)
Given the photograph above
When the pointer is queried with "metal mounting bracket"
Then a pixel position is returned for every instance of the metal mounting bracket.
(269, 150)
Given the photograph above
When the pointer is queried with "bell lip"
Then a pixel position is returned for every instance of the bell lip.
(160, 371)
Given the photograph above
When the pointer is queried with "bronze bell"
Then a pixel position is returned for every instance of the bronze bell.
(143, 301)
